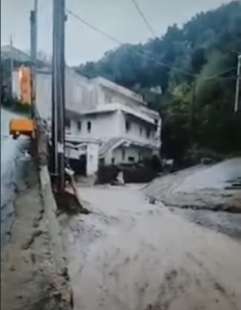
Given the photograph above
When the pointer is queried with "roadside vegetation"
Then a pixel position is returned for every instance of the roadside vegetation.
(7, 102)
(16, 106)
(189, 76)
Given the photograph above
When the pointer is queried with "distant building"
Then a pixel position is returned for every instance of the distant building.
(105, 123)
(116, 128)
(125, 129)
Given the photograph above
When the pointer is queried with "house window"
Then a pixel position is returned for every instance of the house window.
(141, 130)
(108, 97)
(123, 154)
(79, 125)
(113, 160)
(89, 126)
(139, 155)
(148, 132)
(102, 161)
(128, 126)
(131, 159)
(67, 123)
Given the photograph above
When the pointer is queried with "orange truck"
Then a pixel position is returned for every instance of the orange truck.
(22, 126)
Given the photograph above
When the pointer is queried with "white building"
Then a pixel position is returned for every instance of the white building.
(120, 123)
(105, 123)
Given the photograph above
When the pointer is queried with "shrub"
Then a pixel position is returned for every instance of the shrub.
(132, 174)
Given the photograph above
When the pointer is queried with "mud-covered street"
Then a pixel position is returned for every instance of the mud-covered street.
(130, 254)
(14, 164)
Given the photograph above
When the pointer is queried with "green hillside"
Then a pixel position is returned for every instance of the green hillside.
(195, 67)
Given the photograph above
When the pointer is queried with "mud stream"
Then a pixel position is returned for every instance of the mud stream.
(130, 254)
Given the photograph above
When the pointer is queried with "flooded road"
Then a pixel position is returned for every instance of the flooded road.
(130, 254)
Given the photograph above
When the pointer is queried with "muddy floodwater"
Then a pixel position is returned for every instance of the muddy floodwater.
(130, 254)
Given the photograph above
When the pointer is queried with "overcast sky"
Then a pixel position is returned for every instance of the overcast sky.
(117, 17)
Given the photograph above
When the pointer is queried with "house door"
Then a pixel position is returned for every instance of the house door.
(78, 165)
(82, 165)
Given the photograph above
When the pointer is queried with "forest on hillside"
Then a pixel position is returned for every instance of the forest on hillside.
(189, 76)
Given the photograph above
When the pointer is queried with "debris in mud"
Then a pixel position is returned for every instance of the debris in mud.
(215, 208)
(29, 269)
(31, 239)
(69, 204)
(152, 200)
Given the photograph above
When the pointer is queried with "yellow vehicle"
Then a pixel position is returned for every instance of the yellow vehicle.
(22, 126)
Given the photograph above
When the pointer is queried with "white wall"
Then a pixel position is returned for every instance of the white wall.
(103, 126)
(81, 94)
(136, 152)
(135, 133)
(92, 159)
(44, 95)
(109, 125)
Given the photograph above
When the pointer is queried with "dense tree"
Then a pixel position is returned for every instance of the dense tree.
(195, 67)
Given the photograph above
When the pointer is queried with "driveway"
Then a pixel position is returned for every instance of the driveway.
(130, 254)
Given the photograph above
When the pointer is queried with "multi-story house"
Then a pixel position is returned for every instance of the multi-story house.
(120, 123)
(105, 122)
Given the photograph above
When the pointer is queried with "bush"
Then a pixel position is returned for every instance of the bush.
(15, 105)
(106, 174)
(139, 174)
(197, 155)
(132, 174)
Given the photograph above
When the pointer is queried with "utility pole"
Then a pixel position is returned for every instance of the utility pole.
(33, 43)
(238, 82)
(58, 92)
(11, 67)
(193, 112)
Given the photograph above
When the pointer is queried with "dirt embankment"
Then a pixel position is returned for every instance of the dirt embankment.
(30, 277)
(207, 195)
(215, 188)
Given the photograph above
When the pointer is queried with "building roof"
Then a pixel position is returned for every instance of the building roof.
(8, 51)
(109, 145)
(11, 52)
(143, 113)
(114, 143)
(120, 89)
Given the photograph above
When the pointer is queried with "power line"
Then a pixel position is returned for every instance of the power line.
(93, 27)
(42, 5)
(110, 37)
(236, 104)
(231, 51)
(144, 54)
(219, 75)
(140, 12)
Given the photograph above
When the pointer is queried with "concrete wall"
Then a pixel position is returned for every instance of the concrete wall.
(121, 155)
(92, 159)
(138, 130)
(83, 95)
(108, 125)
(118, 93)
(80, 92)
(103, 126)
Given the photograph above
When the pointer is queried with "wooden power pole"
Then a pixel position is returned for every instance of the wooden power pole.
(58, 92)
(11, 67)
(238, 82)
(33, 43)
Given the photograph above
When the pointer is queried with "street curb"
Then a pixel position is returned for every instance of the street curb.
(62, 281)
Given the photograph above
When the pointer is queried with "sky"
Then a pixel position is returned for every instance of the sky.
(116, 17)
